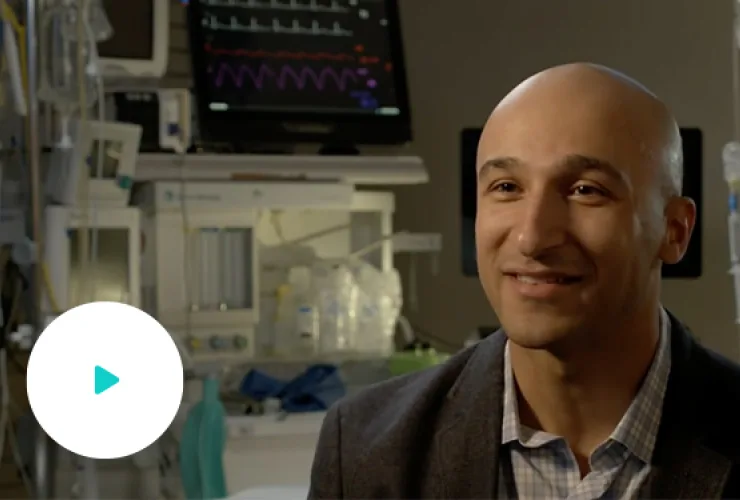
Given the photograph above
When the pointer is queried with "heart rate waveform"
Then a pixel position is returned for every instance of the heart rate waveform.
(283, 78)
(276, 26)
(309, 6)
(280, 54)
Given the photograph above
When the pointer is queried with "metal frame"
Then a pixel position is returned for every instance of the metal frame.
(102, 192)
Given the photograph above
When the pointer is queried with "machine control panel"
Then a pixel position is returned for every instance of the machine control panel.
(209, 345)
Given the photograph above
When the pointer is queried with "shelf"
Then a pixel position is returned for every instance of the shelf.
(357, 170)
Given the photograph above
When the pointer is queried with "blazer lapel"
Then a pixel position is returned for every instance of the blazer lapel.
(683, 465)
(467, 447)
(696, 472)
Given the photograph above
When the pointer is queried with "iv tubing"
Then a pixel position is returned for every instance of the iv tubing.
(83, 240)
(736, 69)
(5, 396)
(42, 483)
(90, 482)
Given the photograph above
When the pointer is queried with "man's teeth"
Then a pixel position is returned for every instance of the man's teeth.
(541, 281)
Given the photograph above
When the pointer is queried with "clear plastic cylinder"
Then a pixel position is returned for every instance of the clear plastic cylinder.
(731, 160)
(735, 272)
(59, 74)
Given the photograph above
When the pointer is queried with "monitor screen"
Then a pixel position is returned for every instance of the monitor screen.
(327, 60)
(127, 42)
(689, 267)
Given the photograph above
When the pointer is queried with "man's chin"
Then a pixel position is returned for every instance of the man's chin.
(549, 334)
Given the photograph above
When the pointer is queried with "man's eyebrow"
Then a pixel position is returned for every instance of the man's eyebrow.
(503, 162)
(578, 163)
(583, 163)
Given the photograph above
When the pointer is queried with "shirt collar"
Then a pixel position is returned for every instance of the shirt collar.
(638, 428)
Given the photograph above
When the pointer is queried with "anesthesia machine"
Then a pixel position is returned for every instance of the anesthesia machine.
(232, 194)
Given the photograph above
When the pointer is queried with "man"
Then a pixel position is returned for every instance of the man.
(590, 390)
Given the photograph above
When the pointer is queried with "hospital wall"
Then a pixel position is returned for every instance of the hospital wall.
(464, 55)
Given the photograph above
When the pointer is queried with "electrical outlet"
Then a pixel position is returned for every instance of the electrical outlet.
(417, 243)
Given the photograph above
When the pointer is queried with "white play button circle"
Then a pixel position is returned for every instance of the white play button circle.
(105, 380)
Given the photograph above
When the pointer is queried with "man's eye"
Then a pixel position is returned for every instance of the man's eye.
(504, 187)
(587, 190)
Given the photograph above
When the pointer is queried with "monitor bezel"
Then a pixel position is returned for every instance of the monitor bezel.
(112, 68)
(245, 126)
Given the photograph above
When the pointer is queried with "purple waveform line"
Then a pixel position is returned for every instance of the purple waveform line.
(283, 76)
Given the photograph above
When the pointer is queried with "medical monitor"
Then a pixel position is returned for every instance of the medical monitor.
(689, 267)
(139, 45)
(291, 71)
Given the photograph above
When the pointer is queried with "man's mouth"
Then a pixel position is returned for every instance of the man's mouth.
(545, 279)
(543, 285)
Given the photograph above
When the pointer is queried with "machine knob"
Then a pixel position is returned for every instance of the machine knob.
(194, 343)
(240, 342)
(217, 342)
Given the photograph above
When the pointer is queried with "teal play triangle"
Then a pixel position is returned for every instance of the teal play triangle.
(104, 380)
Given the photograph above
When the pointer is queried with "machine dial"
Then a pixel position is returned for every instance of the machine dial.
(217, 342)
(240, 342)
(194, 343)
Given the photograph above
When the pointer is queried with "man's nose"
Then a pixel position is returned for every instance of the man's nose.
(543, 224)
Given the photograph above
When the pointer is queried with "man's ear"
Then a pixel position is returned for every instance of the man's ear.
(680, 218)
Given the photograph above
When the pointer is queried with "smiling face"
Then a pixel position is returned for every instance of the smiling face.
(573, 222)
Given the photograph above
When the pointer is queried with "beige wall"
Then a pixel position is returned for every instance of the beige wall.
(464, 55)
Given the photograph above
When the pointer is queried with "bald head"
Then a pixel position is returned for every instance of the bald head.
(634, 119)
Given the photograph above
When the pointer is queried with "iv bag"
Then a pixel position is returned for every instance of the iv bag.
(98, 26)
(335, 295)
(379, 305)
(99, 23)
(59, 82)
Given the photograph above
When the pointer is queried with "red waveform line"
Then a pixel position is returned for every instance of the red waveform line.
(280, 54)
(282, 77)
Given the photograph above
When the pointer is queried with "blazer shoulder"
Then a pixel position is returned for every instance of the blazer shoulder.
(717, 385)
(412, 399)
(402, 392)
(722, 373)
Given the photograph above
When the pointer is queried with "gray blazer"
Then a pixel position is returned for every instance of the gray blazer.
(437, 433)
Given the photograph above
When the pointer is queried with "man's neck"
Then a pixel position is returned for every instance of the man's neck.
(582, 397)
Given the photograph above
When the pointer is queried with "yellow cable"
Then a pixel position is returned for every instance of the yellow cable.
(50, 290)
(20, 32)
(7, 14)
(3, 68)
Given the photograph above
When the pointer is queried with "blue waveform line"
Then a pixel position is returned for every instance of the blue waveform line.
(283, 77)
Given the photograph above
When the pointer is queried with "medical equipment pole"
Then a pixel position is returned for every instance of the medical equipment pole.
(736, 71)
(731, 159)
(41, 468)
